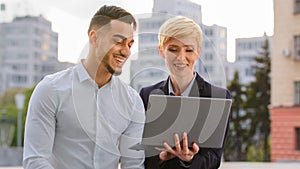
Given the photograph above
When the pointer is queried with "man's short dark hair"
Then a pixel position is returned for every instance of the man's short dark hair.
(107, 13)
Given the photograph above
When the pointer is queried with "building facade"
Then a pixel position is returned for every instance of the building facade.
(28, 52)
(285, 82)
(149, 68)
(213, 59)
(246, 49)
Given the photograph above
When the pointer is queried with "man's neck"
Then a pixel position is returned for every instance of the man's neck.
(97, 72)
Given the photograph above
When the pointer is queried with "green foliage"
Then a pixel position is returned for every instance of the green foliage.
(28, 94)
(256, 153)
(8, 97)
(10, 119)
(8, 103)
(237, 136)
(249, 129)
(12, 113)
(258, 100)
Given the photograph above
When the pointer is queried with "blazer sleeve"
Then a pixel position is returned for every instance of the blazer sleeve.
(207, 158)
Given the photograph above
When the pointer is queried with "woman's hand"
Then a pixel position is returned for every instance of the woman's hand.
(182, 152)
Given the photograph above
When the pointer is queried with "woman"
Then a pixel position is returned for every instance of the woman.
(180, 43)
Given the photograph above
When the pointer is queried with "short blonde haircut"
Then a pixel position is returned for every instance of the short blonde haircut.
(179, 27)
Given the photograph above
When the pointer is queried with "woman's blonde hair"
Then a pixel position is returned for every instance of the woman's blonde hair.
(179, 27)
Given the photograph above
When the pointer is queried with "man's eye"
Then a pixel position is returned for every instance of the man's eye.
(189, 50)
(118, 42)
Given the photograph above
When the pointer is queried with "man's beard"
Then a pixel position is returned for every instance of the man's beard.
(111, 70)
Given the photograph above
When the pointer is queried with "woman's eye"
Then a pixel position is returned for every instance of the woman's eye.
(172, 50)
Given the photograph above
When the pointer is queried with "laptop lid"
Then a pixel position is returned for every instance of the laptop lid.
(203, 119)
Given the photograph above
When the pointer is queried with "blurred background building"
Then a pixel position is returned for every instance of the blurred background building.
(28, 52)
(246, 49)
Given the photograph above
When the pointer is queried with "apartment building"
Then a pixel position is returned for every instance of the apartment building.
(285, 82)
(246, 49)
(28, 52)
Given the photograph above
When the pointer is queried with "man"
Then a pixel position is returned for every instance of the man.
(180, 43)
(85, 117)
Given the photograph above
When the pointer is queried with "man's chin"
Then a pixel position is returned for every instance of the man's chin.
(117, 73)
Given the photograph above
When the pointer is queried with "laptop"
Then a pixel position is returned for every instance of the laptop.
(203, 119)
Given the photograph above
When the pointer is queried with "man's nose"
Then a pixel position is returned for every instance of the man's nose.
(125, 51)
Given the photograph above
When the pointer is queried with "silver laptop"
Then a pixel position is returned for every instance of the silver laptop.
(203, 119)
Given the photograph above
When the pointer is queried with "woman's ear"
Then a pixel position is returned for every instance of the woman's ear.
(199, 52)
(161, 51)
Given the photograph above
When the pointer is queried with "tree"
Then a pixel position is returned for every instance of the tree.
(8, 103)
(237, 138)
(258, 100)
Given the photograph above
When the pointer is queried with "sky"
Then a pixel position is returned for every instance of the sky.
(70, 19)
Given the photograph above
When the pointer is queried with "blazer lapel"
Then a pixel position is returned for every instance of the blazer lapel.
(197, 88)
(164, 88)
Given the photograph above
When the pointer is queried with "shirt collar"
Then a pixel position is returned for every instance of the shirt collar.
(83, 75)
(187, 91)
(82, 72)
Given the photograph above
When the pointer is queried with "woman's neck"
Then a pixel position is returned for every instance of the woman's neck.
(180, 84)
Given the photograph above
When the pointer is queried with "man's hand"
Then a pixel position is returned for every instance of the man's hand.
(182, 152)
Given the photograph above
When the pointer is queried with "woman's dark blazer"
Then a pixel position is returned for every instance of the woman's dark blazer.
(206, 158)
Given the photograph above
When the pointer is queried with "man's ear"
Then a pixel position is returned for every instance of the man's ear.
(93, 37)
(161, 51)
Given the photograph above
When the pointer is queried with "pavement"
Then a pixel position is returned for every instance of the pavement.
(257, 165)
(240, 165)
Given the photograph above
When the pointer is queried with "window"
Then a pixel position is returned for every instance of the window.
(209, 32)
(297, 138)
(36, 55)
(19, 79)
(297, 93)
(223, 33)
(209, 69)
(296, 6)
(249, 72)
(37, 31)
(222, 45)
(19, 67)
(37, 44)
(297, 47)
(12, 43)
(47, 69)
(208, 56)
(249, 46)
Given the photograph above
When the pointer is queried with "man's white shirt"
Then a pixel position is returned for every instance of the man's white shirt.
(71, 123)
